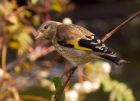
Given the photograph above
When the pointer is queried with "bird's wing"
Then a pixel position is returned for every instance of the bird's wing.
(73, 36)
(69, 36)
(80, 38)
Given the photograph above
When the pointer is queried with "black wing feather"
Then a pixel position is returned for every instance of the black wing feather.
(95, 44)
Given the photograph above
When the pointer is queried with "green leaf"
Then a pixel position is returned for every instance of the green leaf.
(58, 85)
(107, 83)
(57, 82)
(62, 97)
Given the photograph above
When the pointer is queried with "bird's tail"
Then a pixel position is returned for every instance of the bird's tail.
(117, 60)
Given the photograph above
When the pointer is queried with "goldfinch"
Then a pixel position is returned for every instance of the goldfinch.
(77, 44)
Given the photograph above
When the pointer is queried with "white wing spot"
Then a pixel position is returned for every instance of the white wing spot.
(92, 37)
(103, 45)
(88, 39)
(105, 50)
(99, 41)
(94, 43)
(99, 47)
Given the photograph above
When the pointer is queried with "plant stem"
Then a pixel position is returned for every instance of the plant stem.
(60, 92)
(4, 54)
(119, 27)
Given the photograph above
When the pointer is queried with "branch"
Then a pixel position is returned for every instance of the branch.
(37, 53)
(119, 27)
(3, 58)
(35, 98)
(61, 90)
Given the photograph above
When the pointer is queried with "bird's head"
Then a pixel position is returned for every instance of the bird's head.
(47, 30)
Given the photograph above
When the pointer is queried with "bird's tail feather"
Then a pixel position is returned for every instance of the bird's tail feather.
(117, 60)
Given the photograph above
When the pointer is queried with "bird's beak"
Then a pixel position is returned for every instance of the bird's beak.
(39, 35)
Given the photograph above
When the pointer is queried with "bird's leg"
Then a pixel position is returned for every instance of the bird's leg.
(60, 92)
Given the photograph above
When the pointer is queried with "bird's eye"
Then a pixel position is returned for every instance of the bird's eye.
(45, 27)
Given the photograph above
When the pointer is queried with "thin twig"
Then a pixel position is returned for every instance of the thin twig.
(4, 53)
(80, 74)
(60, 92)
(15, 93)
(119, 27)
(32, 57)
(35, 98)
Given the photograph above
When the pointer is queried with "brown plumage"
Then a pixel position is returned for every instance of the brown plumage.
(77, 44)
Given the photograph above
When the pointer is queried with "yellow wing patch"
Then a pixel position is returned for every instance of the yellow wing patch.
(76, 46)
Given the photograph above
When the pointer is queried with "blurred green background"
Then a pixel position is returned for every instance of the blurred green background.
(28, 66)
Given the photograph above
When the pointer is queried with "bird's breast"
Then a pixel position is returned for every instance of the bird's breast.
(76, 57)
